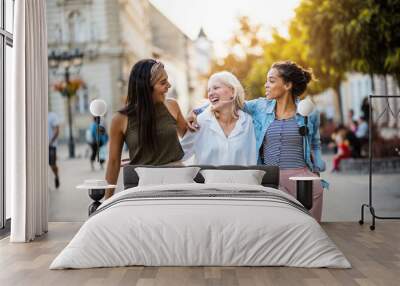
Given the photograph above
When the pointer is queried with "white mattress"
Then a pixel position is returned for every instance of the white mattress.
(189, 231)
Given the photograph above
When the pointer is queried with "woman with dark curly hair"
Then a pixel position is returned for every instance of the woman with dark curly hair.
(279, 140)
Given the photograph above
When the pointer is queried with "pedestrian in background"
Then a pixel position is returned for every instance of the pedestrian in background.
(343, 148)
(100, 146)
(53, 132)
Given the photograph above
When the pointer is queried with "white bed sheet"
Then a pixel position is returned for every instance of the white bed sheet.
(200, 231)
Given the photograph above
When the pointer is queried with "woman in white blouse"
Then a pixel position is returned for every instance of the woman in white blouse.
(226, 136)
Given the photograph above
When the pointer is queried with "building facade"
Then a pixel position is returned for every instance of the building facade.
(113, 35)
(170, 45)
(201, 55)
(354, 90)
(357, 87)
(94, 28)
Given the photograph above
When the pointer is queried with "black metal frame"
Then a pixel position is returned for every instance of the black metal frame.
(98, 138)
(370, 142)
(6, 39)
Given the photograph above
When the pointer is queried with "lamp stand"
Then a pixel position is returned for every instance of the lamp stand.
(97, 118)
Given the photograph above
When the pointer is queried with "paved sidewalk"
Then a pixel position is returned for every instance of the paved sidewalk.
(341, 203)
(68, 203)
(349, 191)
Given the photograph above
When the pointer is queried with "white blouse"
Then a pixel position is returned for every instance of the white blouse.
(210, 146)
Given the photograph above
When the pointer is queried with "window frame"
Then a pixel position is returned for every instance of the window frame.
(6, 39)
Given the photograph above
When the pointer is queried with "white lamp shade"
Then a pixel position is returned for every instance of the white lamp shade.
(98, 107)
(305, 107)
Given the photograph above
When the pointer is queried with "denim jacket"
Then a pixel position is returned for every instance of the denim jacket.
(263, 112)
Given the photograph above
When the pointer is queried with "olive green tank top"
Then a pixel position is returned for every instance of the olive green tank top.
(168, 148)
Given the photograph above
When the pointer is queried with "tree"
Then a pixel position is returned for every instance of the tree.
(244, 51)
(353, 35)
(376, 36)
(250, 57)
(319, 20)
(295, 47)
(331, 37)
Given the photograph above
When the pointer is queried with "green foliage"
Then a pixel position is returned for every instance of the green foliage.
(354, 35)
(330, 36)
(245, 52)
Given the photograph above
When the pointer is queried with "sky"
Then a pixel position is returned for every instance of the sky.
(219, 17)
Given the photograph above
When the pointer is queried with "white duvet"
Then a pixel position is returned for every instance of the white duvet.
(183, 231)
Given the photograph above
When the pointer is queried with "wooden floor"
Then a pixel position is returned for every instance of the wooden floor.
(374, 255)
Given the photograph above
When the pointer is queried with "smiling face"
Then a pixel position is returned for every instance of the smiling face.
(161, 87)
(219, 94)
(275, 86)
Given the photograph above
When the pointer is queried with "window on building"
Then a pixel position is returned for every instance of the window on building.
(76, 27)
(6, 45)
(82, 101)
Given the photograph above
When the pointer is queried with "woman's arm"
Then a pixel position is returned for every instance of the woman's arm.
(250, 106)
(173, 108)
(117, 131)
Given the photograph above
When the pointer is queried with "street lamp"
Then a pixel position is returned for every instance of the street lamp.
(98, 108)
(305, 107)
(67, 60)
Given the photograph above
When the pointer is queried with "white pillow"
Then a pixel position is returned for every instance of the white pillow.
(166, 176)
(248, 177)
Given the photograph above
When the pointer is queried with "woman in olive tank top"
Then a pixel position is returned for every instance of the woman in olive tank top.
(149, 124)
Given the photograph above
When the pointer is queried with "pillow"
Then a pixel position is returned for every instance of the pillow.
(166, 176)
(248, 177)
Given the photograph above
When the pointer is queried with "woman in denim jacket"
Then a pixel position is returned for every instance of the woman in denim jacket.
(276, 124)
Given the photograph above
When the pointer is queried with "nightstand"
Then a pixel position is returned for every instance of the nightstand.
(304, 190)
(96, 190)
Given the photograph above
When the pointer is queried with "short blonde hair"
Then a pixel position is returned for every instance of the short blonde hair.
(230, 80)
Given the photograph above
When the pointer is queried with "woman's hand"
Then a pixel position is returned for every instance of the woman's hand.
(192, 122)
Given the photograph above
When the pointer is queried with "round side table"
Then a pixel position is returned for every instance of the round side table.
(304, 190)
(96, 193)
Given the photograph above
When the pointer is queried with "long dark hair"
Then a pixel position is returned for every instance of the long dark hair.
(140, 102)
(296, 74)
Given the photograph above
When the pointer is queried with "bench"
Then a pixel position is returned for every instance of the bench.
(388, 165)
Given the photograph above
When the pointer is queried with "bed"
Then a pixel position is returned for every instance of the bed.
(201, 224)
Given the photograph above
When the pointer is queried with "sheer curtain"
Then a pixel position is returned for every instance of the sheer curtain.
(26, 123)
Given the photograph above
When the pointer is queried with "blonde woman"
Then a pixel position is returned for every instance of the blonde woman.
(226, 136)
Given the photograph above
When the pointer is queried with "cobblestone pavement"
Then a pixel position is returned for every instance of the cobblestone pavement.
(341, 203)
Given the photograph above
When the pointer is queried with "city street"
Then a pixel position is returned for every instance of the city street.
(341, 203)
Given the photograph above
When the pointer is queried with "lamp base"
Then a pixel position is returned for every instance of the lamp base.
(96, 195)
(305, 193)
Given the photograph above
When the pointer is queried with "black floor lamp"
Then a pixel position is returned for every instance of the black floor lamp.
(370, 143)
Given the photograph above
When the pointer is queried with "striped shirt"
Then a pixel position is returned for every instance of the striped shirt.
(283, 145)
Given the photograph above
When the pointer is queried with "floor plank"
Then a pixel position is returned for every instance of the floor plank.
(375, 257)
